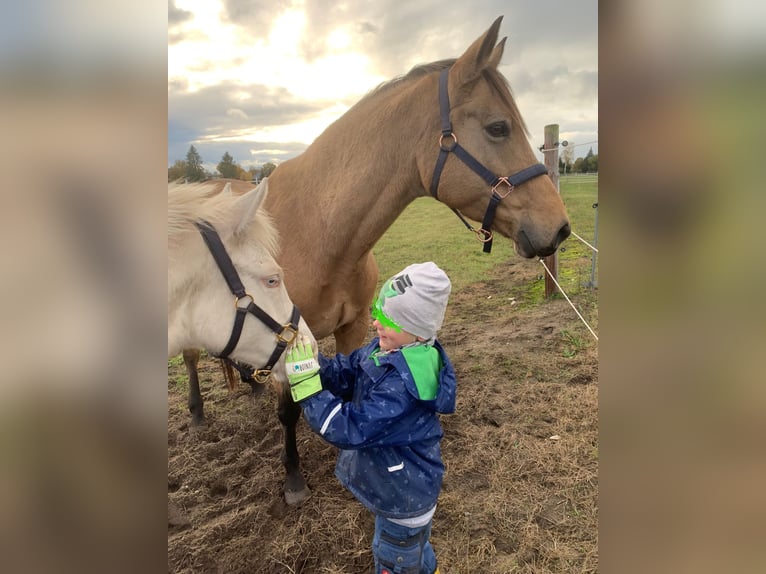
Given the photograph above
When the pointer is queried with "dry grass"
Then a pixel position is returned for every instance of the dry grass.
(515, 500)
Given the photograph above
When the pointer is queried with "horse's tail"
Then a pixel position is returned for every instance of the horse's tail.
(232, 381)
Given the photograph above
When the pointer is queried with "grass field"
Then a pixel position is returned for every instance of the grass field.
(428, 230)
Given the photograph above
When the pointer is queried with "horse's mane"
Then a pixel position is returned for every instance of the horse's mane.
(193, 202)
(495, 79)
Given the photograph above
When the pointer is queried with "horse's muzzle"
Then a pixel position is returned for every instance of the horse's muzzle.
(526, 248)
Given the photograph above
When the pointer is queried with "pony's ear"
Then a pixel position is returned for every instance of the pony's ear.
(227, 189)
(246, 205)
(478, 56)
(497, 54)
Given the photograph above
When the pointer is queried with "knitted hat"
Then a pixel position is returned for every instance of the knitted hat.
(416, 299)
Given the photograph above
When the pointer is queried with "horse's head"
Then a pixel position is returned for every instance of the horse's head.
(486, 125)
(248, 290)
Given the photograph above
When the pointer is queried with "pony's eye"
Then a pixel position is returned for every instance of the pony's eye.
(273, 281)
(498, 130)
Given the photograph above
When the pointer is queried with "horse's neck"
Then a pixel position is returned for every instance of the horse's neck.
(350, 185)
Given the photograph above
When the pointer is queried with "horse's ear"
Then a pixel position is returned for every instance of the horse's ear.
(478, 56)
(497, 54)
(246, 205)
(227, 189)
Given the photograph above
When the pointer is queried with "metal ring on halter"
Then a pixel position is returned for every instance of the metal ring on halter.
(483, 235)
(261, 375)
(292, 333)
(505, 181)
(454, 141)
(238, 299)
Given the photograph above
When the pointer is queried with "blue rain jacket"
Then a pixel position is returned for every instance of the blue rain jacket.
(371, 409)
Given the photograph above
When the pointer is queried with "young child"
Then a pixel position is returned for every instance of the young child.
(380, 406)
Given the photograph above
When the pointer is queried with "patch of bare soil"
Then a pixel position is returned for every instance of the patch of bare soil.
(521, 453)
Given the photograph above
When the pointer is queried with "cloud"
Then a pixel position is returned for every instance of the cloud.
(177, 15)
(236, 113)
(221, 118)
(256, 18)
(551, 62)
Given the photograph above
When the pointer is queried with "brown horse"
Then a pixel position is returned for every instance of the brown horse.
(332, 203)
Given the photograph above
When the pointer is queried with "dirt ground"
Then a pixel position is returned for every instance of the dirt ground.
(521, 456)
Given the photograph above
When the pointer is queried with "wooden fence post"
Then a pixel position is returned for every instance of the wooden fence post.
(551, 155)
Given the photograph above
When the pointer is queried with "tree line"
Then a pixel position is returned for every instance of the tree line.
(191, 169)
(567, 163)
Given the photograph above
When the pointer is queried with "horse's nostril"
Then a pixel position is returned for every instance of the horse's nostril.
(564, 232)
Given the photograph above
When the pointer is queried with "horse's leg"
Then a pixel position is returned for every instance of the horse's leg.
(191, 358)
(296, 490)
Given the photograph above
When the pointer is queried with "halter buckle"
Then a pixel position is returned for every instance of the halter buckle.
(261, 375)
(288, 334)
(483, 235)
(506, 182)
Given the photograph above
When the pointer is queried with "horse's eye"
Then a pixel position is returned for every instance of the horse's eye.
(498, 130)
(273, 281)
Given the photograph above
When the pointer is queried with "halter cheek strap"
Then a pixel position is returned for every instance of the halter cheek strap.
(448, 143)
(245, 304)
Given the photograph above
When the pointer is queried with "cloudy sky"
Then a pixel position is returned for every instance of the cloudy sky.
(262, 80)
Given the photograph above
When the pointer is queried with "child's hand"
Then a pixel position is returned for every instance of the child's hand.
(302, 371)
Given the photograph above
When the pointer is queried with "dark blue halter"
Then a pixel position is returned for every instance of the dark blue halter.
(485, 233)
(244, 303)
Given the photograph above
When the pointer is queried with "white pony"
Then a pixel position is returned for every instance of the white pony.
(201, 306)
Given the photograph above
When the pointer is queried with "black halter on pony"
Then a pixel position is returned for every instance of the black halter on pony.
(285, 333)
(484, 234)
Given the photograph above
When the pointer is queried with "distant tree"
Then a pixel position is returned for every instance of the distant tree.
(267, 168)
(579, 165)
(177, 170)
(591, 162)
(227, 167)
(252, 173)
(194, 169)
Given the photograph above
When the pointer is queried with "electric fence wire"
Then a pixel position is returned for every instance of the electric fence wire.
(548, 271)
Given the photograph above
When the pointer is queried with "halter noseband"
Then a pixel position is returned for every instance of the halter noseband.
(484, 234)
(285, 333)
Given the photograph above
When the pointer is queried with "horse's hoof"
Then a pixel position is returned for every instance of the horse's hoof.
(198, 424)
(296, 497)
(198, 431)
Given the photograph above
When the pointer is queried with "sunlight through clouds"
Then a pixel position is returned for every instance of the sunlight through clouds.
(292, 68)
(214, 51)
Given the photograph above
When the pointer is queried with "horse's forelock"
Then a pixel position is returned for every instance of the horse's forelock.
(190, 203)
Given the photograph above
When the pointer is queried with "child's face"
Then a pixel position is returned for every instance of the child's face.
(390, 339)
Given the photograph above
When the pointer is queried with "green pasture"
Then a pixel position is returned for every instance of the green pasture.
(429, 231)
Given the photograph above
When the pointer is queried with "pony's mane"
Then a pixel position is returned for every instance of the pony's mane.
(495, 79)
(193, 202)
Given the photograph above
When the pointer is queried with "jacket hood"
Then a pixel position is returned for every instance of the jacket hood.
(444, 402)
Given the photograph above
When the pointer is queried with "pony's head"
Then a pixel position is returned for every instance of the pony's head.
(475, 115)
(201, 306)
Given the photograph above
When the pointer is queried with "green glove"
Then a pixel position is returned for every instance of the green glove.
(302, 372)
